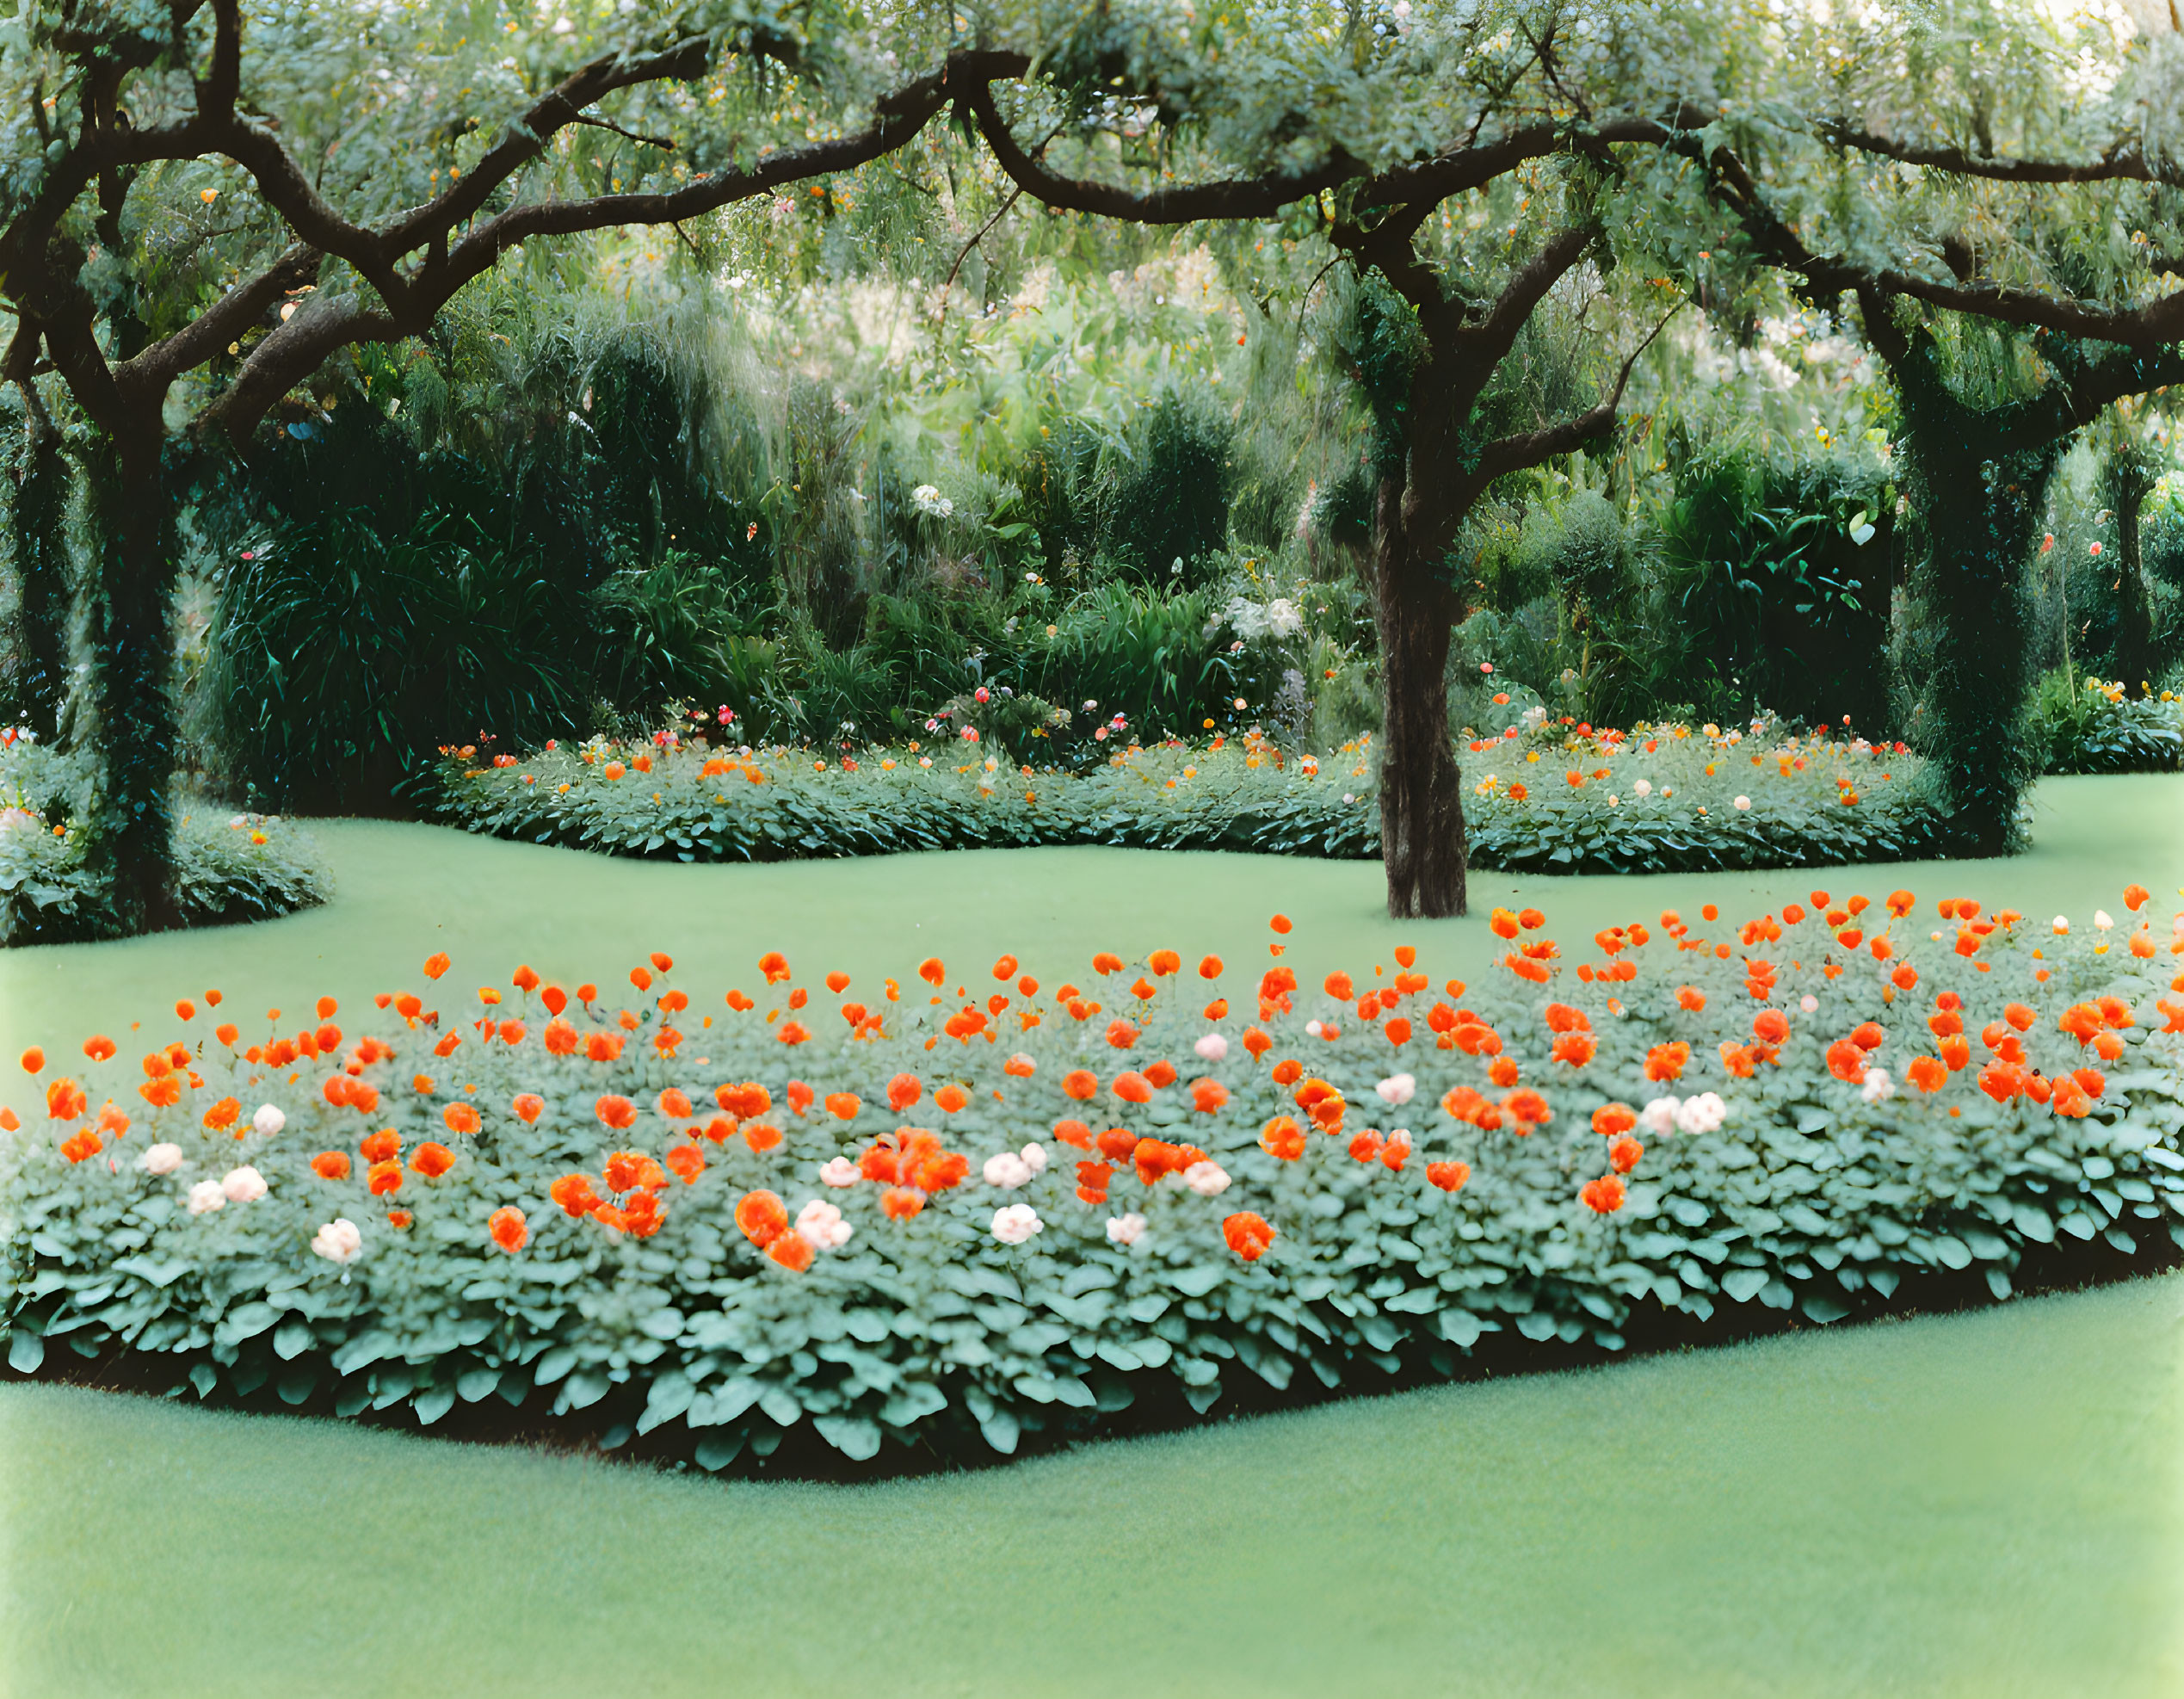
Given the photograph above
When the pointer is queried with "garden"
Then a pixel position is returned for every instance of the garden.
(1083, 811)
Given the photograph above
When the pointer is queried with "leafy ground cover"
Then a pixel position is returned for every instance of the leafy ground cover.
(2093, 726)
(1562, 797)
(990, 1212)
(1989, 1498)
(230, 866)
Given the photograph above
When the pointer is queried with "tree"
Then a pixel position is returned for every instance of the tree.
(1929, 200)
(372, 167)
(1528, 107)
(37, 518)
(2130, 468)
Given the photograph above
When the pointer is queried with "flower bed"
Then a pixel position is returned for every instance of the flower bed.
(2094, 726)
(229, 867)
(1565, 798)
(971, 1204)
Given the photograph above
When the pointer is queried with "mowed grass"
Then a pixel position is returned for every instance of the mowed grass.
(1982, 1504)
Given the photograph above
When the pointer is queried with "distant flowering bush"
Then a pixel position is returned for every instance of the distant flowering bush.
(2092, 726)
(1568, 797)
(981, 1202)
(229, 867)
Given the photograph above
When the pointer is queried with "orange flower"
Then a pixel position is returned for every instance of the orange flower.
(226, 1033)
(1927, 1072)
(1288, 1073)
(1074, 1133)
(1164, 962)
(1107, 962)
(222, 1115)
(98, 1047)
(1208, 1096)
(383, 1146)
(2136, 897)
(900, 1203)
(763, 1218)
(774, 966)
(1449, 1176)
(617, 1112)
(528, 1106)
(574, 1193)
(1209, 967)
(1248, 1235)
(794, 1032)
(791, 1251)
(1121, 1035)
(508, 1229)
(799, 1096)
(162, 1093)
(1623, 1155)
(1019, 1066)
(674, 1104)
(81, 1146)
(1691, 998)
(33, 1059)
(436, 965)
(331, 1165)
(432, 1160)
(687, 1162)
(903, 1091)
(761, 1136)
(1603, 1196)
(1667, 1061)
(1282, 1137)
(1133, 1087)
(66, 1100)
(460, 1118)
(384, 1177)
(1611, 1120)
(931, 971)
(844, 1105)
(950, 1098)
(1846, 1061)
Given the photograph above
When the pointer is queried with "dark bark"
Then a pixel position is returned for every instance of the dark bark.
(40, 519)
(132, 827)
(2126, 481)
(1422, 788)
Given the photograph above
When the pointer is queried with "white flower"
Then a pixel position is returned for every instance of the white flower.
(268, 1119)
(931, 502)
(1397, 1090)
(2062, 925)
(1125, 1229)
(1284, 617)
(339, 1241)
(1644, 788)
(1613, 801)
(1314, 1028)
(1879, 1087)
(161, 1159)
(1702, 1114)
(1212, 1047)
(839, 1173)
(1808, 1003)
(1015, 1223)
(207, 1195)
(1008, 1171)
(1207, 1179)
(822, 1224)
(242, 1185)
(1658, 1117)
(1743, 802)
(1034, 1157)
(2101, 918)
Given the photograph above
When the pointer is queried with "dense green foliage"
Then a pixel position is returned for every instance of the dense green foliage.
(1812, 1172)
(229, 867)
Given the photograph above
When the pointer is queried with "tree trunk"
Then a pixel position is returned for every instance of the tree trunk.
(133, 654)
(40, 516)
(1982, 515)
(2134, 609)
(1422, 789)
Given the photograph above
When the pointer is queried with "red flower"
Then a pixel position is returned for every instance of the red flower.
(1448, 1175)
(1282, 1137)
(1667, 1061)
(616, 1112)
(1603, 1196)
(1623, 1155)
(1208, 1096)
(528, 1106)
(574, 1193)
(331, 1165)
(763, 1218)
(688, 1162)
(791, 1251)
(899, 1203)
(432, 1160)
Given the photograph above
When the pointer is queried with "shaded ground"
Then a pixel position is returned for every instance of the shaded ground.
(1986, 1504)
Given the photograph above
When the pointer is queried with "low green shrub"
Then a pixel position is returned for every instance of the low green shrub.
(2087, 725)
(1544, 796)
(1018, 1207)
(229, 867)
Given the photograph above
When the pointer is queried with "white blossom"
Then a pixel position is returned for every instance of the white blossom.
(822, 1224)
(1741, 804)
(161, 1159)
(1008, 1171)
(1034, 1156)
(1207, 1179)
(1016, 1222)
(1212, 1049)
(1658, 1117)
(1808, 1003)
(1702, 1114)
(931, 502)
(1879, 1087)
(339, 1241)
(268, 1119)
(2102, 920)
(204, 1195)
(1643, 788)
(1125, 1229)
(1397, 1090)
(839, 1173)
(242, 1185)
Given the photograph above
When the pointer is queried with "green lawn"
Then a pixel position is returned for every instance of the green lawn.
(1982, 1504)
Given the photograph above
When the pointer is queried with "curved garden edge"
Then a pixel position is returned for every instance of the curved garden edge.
(608, 1429)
